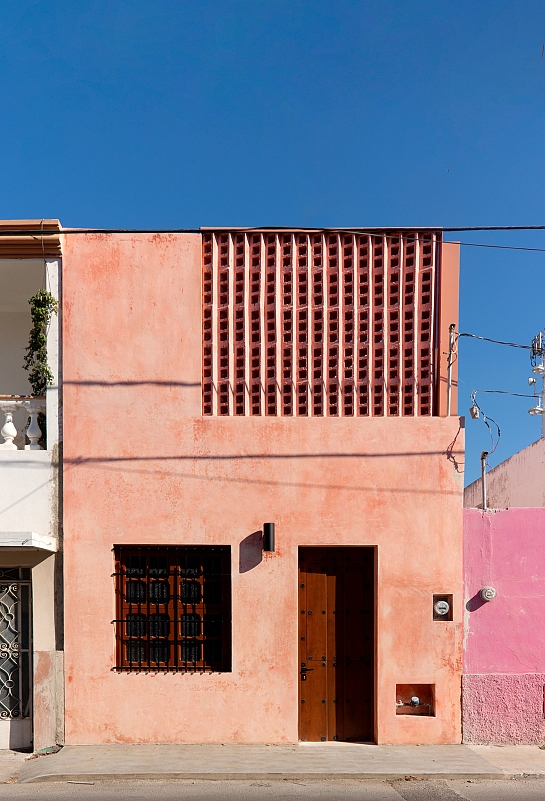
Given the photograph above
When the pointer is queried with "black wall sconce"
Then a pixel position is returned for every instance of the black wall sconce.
(268, 537)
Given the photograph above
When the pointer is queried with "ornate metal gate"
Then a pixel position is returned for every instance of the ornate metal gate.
(15, 650)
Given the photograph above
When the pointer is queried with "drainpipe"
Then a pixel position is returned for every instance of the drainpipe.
(451, 330)
(484, 454)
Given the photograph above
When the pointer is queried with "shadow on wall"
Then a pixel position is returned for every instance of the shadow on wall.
(475, 603)
(132, 383)
(120, 463)
(250, 552)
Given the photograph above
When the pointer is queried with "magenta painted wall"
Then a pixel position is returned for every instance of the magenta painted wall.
(505, 549)
(142, 465)
(504, 655)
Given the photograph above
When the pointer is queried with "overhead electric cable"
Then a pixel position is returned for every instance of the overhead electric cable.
(486, 418)
(497, 228)
(495, 341)
(370, 231)
(355, 231)
(497, 247)
(501, 392)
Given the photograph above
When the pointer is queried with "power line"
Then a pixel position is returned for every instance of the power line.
(501, 392)
(497, 228)
(499, 247)
(373, 231)
(486, 418)
(495, 341)
(40, 233)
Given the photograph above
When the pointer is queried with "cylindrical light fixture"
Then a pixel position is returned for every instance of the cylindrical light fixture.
(268, 536)
(488, 593)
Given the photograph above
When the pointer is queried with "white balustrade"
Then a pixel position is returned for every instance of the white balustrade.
(8, 431)
(9, 404)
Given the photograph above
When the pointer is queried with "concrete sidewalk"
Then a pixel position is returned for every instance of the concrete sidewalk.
(308, 761)
(10, 765)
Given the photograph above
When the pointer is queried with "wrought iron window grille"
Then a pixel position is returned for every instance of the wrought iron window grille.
(15, 643)
(173, 608)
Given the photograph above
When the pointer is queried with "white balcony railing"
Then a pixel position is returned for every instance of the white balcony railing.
(9, 404)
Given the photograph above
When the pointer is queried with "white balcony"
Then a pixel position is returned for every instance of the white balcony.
(30, 434)
(28, 471)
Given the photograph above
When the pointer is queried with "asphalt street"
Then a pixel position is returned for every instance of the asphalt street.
(292, 790)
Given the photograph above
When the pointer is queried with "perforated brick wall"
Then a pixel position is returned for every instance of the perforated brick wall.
(320, 324)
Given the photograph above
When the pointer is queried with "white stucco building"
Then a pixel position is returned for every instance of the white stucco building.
(30, 568)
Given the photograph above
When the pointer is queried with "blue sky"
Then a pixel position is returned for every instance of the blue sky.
(344, 113)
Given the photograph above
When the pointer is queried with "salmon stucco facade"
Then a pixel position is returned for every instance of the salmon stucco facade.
(215, 383)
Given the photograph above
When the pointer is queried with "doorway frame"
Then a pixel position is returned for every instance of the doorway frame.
(375, 549)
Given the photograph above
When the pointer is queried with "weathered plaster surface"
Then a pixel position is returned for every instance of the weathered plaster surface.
(517, 482)
(44, 699)
(143, 466)
(505, 549)
(504, 708)
(504, 654)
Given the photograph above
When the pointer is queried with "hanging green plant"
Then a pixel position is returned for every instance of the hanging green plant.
(42, 307)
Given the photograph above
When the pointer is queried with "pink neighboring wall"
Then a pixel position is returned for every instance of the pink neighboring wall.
(141, 465)
(504, 656)
(517, 482)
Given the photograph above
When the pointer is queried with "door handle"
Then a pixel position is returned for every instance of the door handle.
(305, 670)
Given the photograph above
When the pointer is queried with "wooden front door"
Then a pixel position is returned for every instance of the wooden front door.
(336, 644)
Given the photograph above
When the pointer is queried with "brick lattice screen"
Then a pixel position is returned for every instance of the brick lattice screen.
(319, 324)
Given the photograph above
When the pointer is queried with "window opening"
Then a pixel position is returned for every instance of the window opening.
(173, 608)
